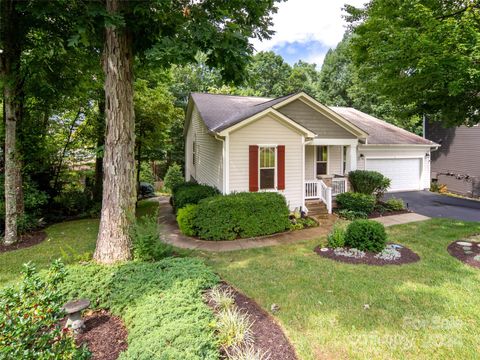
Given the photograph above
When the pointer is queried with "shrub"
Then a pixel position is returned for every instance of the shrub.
(173, 177)
(186, 219)
(357, 202)
(71, 202)
(146, 242)
(351, 214)
(395, 204)
(146, 190)
(191, 193)
(366, 235)
(241, 215)
(336, 238)
(234, 327)
(29, 318)
(368, 182)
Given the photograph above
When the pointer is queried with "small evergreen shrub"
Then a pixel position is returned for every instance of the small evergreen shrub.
(191, 193)
(186, 219)
(357, 202)
(395, 204)
(368, 182)
(173, 177)
(351, 214)
(29, 318)
(366, 235)
(146, 242)
(336, 238)
(241, 215)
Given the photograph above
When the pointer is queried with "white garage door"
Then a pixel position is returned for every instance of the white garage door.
(404, 173)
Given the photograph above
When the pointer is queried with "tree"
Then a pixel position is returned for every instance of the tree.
(421, 55)
(303, 77)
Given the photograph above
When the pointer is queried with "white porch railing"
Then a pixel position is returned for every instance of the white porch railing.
(316, 189)
(339, 185)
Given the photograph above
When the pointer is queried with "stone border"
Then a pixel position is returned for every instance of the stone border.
(466, 250)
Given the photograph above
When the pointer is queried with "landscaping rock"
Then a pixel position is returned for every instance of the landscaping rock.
(464, 243)
(468, 252)
(352, 253)
(477, 258)
(324, 249)
(390, 253)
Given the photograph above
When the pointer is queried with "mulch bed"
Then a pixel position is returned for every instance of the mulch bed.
(376, 214)
(26, 240)
(457, 251)
(268, 335)
(104, 334)
(407, 257)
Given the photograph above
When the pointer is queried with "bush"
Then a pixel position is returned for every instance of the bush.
(366, 235)
(160, 302)
(336, 238)
(357, 202)
(30, 315)
(72, 202)
(395, 204)
(191, 193)
(186, 219)
(173, 177)
(368, 182)
(352, 215)
(146, 242)
(241, 215)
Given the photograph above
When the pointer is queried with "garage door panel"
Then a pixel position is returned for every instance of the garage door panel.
(404, 173)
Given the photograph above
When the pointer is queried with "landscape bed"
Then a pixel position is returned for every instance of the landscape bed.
(466, 250)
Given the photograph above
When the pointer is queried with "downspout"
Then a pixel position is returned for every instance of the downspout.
(225, 141)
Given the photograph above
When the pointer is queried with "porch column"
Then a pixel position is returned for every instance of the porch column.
(351, 161)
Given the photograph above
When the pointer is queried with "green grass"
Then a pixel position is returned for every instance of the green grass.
(71, 241)
(426, 310)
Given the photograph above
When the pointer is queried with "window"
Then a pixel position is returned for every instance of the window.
(267, 167)
(344, 160)
(322, 159)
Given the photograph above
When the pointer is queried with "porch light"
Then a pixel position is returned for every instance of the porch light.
(362, 156)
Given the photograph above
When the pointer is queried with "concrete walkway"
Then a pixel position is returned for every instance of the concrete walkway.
(170, 234)
(401, 219)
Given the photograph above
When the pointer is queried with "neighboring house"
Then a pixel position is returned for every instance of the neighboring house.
(296, 146)
(457, 163)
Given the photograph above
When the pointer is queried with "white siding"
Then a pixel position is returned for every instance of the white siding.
(208, 168)
(399, 152)
(262, 132)
(309, 162)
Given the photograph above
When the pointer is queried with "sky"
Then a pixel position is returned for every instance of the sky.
(307, 29)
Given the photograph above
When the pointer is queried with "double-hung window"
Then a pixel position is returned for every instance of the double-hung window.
(322, 160)
(267, 167)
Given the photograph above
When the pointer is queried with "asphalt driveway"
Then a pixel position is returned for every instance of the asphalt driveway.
(439, 206)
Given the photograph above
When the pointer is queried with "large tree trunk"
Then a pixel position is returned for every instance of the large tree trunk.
(118, 203)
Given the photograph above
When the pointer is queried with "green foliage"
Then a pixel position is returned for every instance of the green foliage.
(29, 318)
(336, 238)
(186, 218)
(146, 173)
(366, 235)
(234, 327)
(241, 215)
(173, 177)
(358, 202)
(351, 214)
(161, 304)
(395, 204)
(71, 203)
(368, 182)
(146, 242)
(302, 223)
(191, 193)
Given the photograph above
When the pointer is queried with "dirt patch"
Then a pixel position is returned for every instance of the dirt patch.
(466, 256)
(104, 334)
(25, 241)
(377, 214)
(407, 257)
(268, 335)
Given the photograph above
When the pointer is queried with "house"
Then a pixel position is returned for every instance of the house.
(296, 146)
(456, 164)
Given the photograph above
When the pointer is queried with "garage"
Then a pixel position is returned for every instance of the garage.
(404, 173)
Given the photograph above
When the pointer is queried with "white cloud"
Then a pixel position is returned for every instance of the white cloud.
(308, 20)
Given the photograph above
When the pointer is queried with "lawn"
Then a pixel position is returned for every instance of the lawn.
(72, 241)
(430, 309)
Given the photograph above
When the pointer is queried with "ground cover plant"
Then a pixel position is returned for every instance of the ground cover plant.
(428, 309)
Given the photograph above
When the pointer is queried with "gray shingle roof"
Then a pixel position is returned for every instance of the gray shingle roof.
(220, 112)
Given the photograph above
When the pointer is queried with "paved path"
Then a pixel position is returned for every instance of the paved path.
(401, 219)
(170, 234)
(440, 206)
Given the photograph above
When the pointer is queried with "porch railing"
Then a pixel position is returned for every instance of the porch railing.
(339, 185)
(316, 189)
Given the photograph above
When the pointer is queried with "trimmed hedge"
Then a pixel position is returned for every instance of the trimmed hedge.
(368, 182)
(241, 215)
(366, 235)
(191, 193)
(356, 202)
(186, 219)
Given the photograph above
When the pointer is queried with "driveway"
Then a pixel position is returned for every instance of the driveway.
(439, 206)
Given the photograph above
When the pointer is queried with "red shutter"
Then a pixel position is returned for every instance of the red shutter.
(281, 167)
(253, 168)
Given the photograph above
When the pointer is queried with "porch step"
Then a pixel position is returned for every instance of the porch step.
(317, 209)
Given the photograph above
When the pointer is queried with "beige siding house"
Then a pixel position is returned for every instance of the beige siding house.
(296, 146)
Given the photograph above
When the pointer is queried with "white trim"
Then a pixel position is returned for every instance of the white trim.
(275, 114)
(226, 169)
(317, 141)
(303, 174)
(390, 146)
